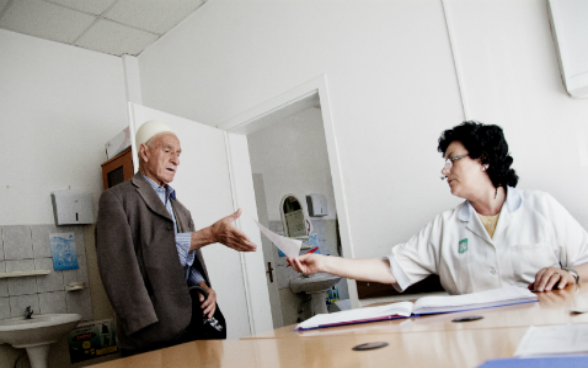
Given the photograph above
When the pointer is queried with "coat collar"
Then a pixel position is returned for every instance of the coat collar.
(513, 202)
(467, 214)
(169, 191)
(149, 196)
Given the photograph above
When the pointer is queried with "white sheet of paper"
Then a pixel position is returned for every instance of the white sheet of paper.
(554, 340)
(290, 247)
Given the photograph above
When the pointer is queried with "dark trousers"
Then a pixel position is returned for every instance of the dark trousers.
(185, 336)
(194, 331)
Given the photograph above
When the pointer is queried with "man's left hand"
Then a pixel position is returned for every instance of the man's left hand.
(209, 304)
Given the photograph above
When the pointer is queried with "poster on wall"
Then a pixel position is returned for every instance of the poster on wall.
(91, 340)
(63, 250)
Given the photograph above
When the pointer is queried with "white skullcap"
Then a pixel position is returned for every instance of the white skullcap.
(149, 130)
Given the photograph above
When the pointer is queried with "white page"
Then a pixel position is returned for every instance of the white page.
(401, 309)
(290, 247)
(554, 340)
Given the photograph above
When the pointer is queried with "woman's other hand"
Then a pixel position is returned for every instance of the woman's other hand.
(307, 264)
(548, 277)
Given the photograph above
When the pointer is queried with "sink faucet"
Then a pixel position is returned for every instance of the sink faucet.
(28, 312)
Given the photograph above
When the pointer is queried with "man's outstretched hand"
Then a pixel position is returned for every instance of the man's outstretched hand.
(223, 231)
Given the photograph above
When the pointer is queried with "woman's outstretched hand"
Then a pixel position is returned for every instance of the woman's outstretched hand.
(368, 269)
(307, 264)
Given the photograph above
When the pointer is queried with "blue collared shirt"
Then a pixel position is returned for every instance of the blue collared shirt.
(166, 194)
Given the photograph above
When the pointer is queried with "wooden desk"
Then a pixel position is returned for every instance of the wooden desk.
(431, 341)
(441, 349)
(552, 308)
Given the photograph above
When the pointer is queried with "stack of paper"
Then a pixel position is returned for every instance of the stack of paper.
(428, 305)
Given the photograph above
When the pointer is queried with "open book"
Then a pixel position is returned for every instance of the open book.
(427, 305)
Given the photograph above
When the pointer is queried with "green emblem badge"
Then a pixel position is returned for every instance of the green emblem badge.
(463, 245)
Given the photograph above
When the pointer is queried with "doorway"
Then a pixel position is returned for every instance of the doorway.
(292, 150)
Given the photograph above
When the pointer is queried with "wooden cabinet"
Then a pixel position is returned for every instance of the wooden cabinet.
(118, 169)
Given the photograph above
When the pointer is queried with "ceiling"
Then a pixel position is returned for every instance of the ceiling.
(114, 27)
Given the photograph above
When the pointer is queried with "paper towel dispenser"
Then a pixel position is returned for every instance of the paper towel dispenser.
(72, 207)
(317, 205)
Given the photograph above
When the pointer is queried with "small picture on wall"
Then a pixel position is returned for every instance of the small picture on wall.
(63, 249)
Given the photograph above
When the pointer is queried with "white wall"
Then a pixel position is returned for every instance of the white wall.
(292, 157)
(391, 83)
(60, 104)
(392, 90)
(511, 77)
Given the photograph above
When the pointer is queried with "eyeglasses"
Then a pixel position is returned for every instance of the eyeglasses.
(449, 163)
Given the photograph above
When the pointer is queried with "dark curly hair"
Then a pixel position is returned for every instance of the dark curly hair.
(487, 143)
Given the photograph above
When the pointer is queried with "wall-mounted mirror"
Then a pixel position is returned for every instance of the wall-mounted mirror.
(293, 217)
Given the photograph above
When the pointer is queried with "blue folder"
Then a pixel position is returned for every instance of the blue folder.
(580, 361)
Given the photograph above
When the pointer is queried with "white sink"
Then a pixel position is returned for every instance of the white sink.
(37, 333)
(316, 285)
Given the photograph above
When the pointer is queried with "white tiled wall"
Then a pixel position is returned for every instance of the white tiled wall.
(21, 285)
(18, 243)
(27, 248)
(3, 282)
(4, 308)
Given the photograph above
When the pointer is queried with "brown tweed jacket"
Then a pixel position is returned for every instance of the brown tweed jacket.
(139, 264)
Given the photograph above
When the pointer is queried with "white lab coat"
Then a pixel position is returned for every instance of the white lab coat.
(533, 231)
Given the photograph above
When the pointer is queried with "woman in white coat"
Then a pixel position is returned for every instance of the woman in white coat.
(498, 236)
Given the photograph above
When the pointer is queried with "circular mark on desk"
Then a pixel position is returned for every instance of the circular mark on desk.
(467, 319)
(370, 346)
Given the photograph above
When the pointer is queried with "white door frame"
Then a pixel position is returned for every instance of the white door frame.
(249, 121)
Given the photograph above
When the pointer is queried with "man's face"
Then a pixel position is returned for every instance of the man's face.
(162, 158)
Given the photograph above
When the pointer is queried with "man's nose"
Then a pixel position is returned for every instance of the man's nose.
(175, 159)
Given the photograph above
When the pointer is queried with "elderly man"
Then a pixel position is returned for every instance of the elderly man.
(148, 251)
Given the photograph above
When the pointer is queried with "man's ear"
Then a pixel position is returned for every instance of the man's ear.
(143, 150)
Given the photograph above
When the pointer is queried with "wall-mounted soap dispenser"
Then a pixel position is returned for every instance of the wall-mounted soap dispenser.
(71, 207)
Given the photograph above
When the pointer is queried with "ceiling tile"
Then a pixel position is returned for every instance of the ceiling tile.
(94, 6)
(41, 19)
(116, 39)
(152, 15)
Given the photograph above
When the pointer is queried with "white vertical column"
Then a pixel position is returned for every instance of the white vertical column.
(132, 79)
(455, 60)
(134, 96)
